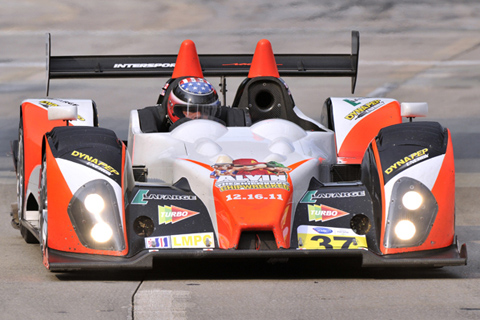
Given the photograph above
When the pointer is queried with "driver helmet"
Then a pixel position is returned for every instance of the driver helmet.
(193, 98)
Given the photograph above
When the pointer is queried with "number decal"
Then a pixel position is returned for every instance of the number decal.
(324, 237)
(333, 242)
(325, 241)
(347, 243)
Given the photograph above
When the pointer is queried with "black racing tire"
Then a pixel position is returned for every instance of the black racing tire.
(26, 234)
(20, 172)
(43, 209)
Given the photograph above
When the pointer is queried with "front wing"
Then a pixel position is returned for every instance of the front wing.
(450, 256)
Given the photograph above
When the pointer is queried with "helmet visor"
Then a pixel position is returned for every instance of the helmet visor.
(197, 111)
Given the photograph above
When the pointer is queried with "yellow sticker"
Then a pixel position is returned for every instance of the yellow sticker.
(332, 242)
(312, 237)
(193, 240)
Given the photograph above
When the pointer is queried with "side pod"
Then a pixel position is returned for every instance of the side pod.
(409, 171)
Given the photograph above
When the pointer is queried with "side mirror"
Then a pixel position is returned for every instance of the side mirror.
(62, 113)
(414, 109)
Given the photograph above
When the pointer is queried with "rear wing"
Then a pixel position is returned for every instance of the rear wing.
(221, 65)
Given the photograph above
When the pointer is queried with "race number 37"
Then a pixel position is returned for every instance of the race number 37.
(336, 242)
(310, 237)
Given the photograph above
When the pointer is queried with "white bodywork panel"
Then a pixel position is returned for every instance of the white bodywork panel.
(205, 141)
(169, 156)
(414, 109)
(346, 117)
(63, 113)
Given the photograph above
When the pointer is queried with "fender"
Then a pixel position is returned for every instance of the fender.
(356, 121)
(397, 162)
(83, 161)
(35, 123)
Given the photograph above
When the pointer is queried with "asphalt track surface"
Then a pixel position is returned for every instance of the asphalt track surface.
(410, 50)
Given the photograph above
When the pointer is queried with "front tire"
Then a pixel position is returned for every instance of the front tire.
(20, 177)
(26, 234)
(43, 213)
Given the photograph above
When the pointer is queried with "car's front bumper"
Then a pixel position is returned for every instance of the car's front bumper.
(450, 256)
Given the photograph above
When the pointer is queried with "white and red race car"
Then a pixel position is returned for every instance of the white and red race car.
(261, 180)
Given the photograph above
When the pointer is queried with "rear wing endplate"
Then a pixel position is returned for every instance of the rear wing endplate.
(222, 65)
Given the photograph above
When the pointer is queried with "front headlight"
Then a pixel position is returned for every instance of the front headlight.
(412, 200)
(411, 214)
(101, 232)
(95, 216)
(94, 203)
(405, 230)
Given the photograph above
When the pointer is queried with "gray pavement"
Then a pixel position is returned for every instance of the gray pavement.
(410, 50)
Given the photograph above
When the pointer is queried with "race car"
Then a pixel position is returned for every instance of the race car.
(256, 179)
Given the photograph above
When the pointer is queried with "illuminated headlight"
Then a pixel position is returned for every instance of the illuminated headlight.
(405, 230)
(412, 200)
(101, 232)
(411, 214)
(94, 203)
(95, 216)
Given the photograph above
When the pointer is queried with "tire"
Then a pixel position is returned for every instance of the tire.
(20, 173)
(43, 212)
(26, 234)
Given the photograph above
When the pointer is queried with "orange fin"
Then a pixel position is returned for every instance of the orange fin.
(263, 62)
(187, 64)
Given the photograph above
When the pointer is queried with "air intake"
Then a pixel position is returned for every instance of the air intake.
(257, 240)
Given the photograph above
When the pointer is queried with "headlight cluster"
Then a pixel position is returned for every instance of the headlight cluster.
(413, 209)
(95, 216)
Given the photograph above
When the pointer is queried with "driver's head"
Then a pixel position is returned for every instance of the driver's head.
(193, 98)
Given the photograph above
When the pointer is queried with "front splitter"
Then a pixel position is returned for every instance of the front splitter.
(450, 256)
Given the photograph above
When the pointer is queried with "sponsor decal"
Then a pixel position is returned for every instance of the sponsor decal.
(323, 230)
(47, 103)
(247, 182)
(353, 102)
(244, 174)
(68, 102)
(324, 213)
(95, 163)
(409, 160)
(80, 118)
(313, 195)
(193, 240)
(143, 65)
(158, 242)
(364, 109)
(143, 196)
(239, 64)
(173, 214)
(310, 237)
